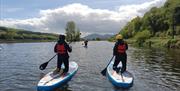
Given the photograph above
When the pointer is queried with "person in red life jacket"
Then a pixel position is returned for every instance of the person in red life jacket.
(62, 49)
(119, 51)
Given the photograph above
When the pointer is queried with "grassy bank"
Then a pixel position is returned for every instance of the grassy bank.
(156, 42)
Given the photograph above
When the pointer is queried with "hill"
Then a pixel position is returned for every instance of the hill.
(8, 34)
(97, 37)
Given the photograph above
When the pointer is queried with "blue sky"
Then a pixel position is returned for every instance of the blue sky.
(91, 16)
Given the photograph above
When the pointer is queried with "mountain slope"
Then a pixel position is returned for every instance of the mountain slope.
(95, 36)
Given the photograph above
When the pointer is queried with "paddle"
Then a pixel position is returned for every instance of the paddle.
(103, 72)
(43, 66)
(118, 69)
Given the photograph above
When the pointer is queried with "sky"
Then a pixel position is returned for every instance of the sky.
(90, 16)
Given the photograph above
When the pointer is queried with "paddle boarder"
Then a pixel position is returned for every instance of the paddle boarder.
(62, 49)
(119, 51)
(85, 43)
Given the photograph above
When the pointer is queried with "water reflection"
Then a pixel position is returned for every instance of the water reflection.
(160, 67)
(63, 88)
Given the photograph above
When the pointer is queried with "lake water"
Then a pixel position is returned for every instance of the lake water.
(153, 69)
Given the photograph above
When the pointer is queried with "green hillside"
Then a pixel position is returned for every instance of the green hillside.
(158, 23)
(11, 34)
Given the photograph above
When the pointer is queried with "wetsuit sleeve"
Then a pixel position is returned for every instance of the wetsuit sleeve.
(126, 46)
(55, 48)
(115, 49)
(68, 48)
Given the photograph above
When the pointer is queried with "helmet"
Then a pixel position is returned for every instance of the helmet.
(119, 36)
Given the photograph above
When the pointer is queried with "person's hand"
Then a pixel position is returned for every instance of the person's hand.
(70, 47)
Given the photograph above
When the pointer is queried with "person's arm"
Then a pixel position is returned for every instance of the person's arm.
(55, 48)
(126, 46)
(69, 49)
(115, 49)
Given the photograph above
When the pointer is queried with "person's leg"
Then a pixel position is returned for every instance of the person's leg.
(59, 63)
(124, 60)
(66, 64)
(116, 62)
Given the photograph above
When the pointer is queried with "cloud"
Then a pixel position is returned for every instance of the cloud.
(87, 19)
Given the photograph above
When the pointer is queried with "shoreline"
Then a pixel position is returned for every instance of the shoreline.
(156, 43)
(25, 41)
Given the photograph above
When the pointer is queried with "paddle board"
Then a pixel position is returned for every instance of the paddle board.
(51, 80)
(124, 80)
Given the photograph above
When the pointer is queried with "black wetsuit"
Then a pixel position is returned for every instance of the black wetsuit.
(63, 58)
(120, 56)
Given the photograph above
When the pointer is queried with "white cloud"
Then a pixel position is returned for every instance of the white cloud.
(87, 19)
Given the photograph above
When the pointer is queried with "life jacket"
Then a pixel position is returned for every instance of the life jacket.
(121, 48)
(61, 49)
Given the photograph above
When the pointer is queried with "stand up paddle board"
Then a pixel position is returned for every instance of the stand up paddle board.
(54, 80)
(124, 80)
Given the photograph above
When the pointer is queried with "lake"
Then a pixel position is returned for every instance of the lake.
(153, 69)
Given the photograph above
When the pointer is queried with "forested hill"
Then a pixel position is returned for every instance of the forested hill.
(161, 22)
(20, 34)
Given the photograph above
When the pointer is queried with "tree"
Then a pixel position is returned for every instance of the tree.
(77, 35)
(70, 30)
(175, 20)
(72, 33)
(10, 35)
(177, 15)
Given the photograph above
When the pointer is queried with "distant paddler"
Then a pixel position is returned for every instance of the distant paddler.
(85, 43)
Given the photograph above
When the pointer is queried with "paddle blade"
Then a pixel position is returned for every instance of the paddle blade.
(43, 66)
(103, 72)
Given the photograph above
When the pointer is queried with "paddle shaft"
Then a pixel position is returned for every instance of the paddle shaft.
(103, 72)
(52, 58)
(110, 61)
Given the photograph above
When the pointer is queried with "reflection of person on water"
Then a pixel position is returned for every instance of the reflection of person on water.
(85, 43)
(1, 47)
(119, 52)
(62, 49)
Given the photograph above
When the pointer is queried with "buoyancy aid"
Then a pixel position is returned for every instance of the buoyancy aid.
(121, 48)
(61, 49)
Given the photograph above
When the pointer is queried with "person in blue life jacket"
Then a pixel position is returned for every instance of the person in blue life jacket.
(62, 49)
(119, 51)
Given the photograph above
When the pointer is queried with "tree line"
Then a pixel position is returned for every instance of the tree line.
(158, 22)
